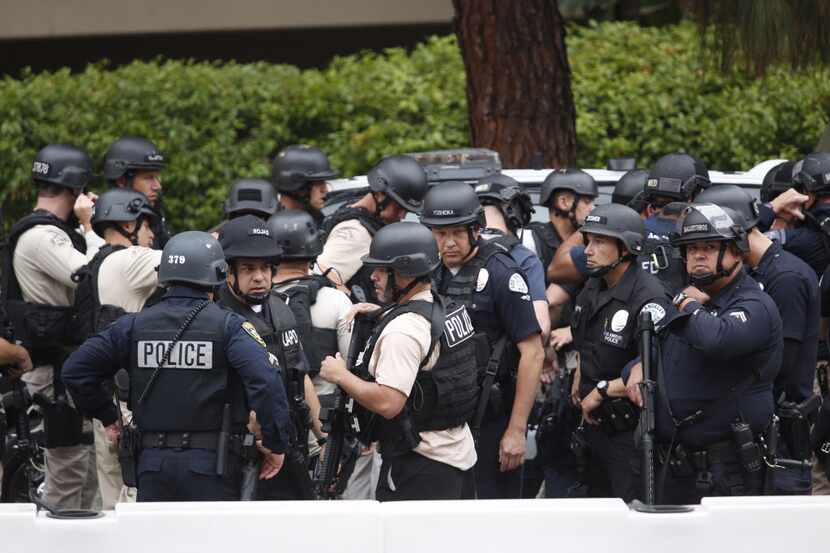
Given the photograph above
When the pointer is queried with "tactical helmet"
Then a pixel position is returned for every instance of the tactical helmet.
(402, 179)
(709, 222)
(451, 204)
(131, 153)
(506, 194)
(297, 234)
(251, 196)
(617, 221)
(297, 165)
(407, 247)
(193, 257)
(813, 173)
(120, 205)
(630, 189)
(575, 180)
(63, 165)
(676, 176)
(777, 180)
(736, 199)
(250, 237)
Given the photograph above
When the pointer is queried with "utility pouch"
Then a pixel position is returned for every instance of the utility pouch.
(128, 449)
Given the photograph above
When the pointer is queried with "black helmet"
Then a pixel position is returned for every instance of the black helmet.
(131, 153)
(120, 205)
(617, 221)
(630, 189)
(297, 234)
(193, 257)
(575, 180)
(297, 165)
(777, 180)
(251, 196)
(63, 165)
(402, 179)
(451, 204)
(709, 222)
(506, 194)
(248, 236)
(406, 247)
(677, 176)
(813, 173)
(735, 198)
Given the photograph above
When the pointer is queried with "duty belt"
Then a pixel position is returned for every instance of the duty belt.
(180, 440)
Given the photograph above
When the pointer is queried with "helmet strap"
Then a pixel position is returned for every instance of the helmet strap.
(131, 236)
(396, 293)
(709, 278)
(381, 204)
(250, 299)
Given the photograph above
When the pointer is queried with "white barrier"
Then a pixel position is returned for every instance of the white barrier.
(759, 524)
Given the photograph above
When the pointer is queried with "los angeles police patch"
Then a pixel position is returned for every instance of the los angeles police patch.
(249, 328)
(517, 284)
(655, 310)
(481, 281)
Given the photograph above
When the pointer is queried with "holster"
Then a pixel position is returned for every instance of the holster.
(795, 425)
(63, 424)
(617, 415)
(128, 450)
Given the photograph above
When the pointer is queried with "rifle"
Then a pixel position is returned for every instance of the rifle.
(341, 424)
(645, 430)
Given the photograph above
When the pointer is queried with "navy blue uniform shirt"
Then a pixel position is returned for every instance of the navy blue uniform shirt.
(806, 241)
(793, 286)
(101, 356)
(720, 359)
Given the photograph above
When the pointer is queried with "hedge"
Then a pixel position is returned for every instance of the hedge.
(640, 92)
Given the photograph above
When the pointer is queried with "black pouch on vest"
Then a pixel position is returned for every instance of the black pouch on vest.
(41, 325)
(62, 423)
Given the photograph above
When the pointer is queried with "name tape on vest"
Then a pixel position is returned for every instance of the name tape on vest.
(185, 354)
(458, 327)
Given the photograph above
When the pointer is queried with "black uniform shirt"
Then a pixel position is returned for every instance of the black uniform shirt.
(604, 323)
(793, 286)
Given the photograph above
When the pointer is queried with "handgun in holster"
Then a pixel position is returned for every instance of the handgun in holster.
(795, 423)
(63, 424)
(250, 462)
(581, 450)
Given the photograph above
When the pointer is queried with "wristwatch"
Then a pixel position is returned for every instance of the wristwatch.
(602, 388)
(679, 299)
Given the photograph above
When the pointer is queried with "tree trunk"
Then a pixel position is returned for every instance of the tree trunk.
(518, 80)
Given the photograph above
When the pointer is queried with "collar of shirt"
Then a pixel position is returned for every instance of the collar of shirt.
(722, 299)
(179, 291)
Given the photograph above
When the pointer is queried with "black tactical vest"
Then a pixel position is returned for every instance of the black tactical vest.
(190, 391)
(40, 327)
(360, 285)
(664, 261)
(443, 397)
(90, 316)
(547, 241)
(317, 342)
(461, 289)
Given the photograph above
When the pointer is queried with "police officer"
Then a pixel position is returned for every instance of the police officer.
(251, 197)
(251, 252)
(569, 195)
(136, 163)
(507, 210)
(482, 276)
(794, 288)
(809, 241)
(120, 279)
(196, 371)
(300, 173)
(604, 327)
(396, 186)
(421, 358)
(42, 252)
(719, 352)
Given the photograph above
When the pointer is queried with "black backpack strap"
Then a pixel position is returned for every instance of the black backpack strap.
(371, 222)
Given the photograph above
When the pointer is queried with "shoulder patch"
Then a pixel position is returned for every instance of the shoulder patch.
(481, 281)
(740, 315)
(656, 311)
(517, 284)
(249, 328)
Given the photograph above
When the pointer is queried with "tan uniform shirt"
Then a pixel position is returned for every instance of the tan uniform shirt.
(401, 347)
(347, 243)
(44, 260)
(128, 277)
(329, 312)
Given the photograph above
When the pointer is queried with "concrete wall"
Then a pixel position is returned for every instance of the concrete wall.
(22, 19)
